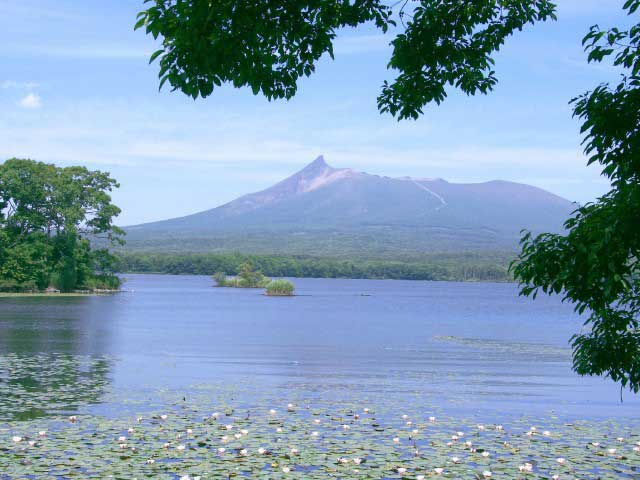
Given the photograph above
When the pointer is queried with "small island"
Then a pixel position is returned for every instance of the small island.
(249, 277)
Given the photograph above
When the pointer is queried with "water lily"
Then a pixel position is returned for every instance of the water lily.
(122, 439)
(499, 427)
(314, 434)
(486, 474)
(42, 433)
(272, 412)
(286, 469)
(455, 459)
(317, 421)
(189, 431)
(229, 427)
(163, 417)
(224, 438)
(180, 447)
(401, 470)
(73, 419)
(237, 436)
(432, 419)
(123, 446)
(595, 444)
(419, 477)
(365, 410)
(222, 450)
(485, 454)
(244, 431)
(294, 451)
(438, 470)
(262, 451)
(526, 467)
(404, 417)
(346, 427)
(546, 433)
(357, 461)
(561, 460)
(244, 452)
(130, 430)
(215, 415)
(343, 460)
(612, 451)
(139, 419)
(150, 461)
(396, 440)
(278, 430)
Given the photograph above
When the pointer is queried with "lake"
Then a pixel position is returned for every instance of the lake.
(464, 352)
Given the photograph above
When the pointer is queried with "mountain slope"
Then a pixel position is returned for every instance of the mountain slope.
(325, 210)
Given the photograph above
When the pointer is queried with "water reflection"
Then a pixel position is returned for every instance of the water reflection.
(52, 355)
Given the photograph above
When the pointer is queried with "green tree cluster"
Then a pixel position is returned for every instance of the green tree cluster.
(434, 267)
(280, 288)
(47, 215)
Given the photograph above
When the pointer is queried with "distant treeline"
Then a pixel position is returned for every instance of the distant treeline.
(432, 267)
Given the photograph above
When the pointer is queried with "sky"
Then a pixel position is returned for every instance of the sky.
(76, 89)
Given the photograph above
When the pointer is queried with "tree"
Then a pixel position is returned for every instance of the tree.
(595, 264)
(269, 45)
(248, 277)
(47, 216)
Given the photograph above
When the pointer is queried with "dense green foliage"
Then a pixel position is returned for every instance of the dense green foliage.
(433, 267)
(247, 277)
(595, 264)
(269, 45)
(280, 288)
(47, 214)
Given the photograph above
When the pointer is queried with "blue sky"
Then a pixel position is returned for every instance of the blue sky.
(76, 88)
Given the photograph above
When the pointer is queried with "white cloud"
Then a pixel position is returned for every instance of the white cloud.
(32, 101)
(18, 85)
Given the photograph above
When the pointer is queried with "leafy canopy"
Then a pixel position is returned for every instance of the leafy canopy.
(595, 265)
(47, 214)
(269, 45)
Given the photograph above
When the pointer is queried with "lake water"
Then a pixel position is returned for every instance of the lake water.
(460, 348)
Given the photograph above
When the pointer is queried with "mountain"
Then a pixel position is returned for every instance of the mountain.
(340, 211)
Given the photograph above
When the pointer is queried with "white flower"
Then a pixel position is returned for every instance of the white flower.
(343, 460)
(498, 427)
(31, 443)
(533, 429)
(612, 451)
(438, 470)
(167, 445)
(139, 419)
(262, 451)
(123, 446)
(272, 412)
(317, 421)
(468, 443)
(244, 431)
(595, 444)
(396, 440)
(237, 436)
(357, 461)
(314, 434)
(215, 415)
(561, 460)
(365, 410)
(460, 434)
(122, 439)
(546, 433)
(189, 431)
(180, 447)
(222, 450)
(294, 451)
(42, 433)
(480, 427)
(290, 406)
(73, 419)
(286, 469)
(278, 430)
(185, 477)
(454, 438)
(455, 459)
(346, 427)
(224, 438)
(620, 439)
(150, 461)
(556, 477)
(404, 417)
(229, 427)
(432, 419)
(419, 477)
(636, 449)
(485, 454)
(402, 470)
(409, 423)
(486, 474)
(130, 430)
(244, 452)
(16, 439)
(527, 467)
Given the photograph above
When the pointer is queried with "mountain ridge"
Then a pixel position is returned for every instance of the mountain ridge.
(322, 201)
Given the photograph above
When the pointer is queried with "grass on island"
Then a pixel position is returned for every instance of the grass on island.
(280, 288)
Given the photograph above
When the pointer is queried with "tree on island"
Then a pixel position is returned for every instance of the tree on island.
(47, 215)
(269, 45)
